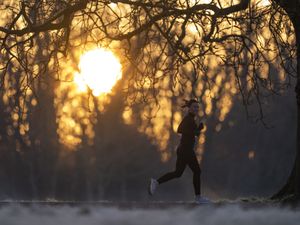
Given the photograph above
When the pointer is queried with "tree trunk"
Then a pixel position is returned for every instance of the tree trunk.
(296, 23)
(291, 189)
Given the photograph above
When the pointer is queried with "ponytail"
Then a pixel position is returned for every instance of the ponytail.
(188, 103)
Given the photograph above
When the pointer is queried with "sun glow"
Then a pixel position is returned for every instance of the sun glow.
(99, 71)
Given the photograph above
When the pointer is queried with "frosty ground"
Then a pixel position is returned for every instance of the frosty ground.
(151, 213)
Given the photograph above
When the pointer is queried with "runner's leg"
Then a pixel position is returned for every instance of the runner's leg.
(194, 165)
(180, 166)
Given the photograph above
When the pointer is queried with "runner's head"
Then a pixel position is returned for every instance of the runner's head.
(193, 106)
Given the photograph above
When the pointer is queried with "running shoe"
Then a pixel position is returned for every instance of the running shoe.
(201, 200)
(152, 186)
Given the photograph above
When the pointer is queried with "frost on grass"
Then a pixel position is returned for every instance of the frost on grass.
(95, 215)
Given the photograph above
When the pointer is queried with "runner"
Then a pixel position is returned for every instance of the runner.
(188, 129)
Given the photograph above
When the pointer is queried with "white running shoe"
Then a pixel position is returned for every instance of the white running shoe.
(152, 186)
(201, 200)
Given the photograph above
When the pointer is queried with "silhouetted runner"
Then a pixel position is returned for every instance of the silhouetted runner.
(185, 152)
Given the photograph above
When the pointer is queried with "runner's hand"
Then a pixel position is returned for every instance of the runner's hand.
(201, 126)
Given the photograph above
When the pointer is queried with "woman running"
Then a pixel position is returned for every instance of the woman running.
(185, 152)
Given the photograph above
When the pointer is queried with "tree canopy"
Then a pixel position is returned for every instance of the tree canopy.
(160, 38)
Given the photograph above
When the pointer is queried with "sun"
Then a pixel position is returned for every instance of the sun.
(100, 69)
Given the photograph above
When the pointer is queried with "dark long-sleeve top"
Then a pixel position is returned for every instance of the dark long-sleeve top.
(189, 129)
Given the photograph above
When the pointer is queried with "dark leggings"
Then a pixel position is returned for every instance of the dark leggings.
(183, 159)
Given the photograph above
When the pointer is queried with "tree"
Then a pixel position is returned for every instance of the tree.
(180, 38)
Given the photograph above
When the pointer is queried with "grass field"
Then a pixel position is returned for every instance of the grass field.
(148, 213)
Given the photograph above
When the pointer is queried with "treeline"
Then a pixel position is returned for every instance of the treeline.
(239, 159)
(117, 166)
